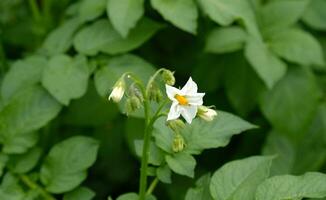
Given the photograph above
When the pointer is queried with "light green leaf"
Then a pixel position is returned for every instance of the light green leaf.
(280, 146)
(164, 174)
(66, 164)
(25, 162)
(156, 155)
(60, 39)
(182, 163)
(225, 12)
(281, 14)
(309, 185)
(297, 46)
(10, 188)
(181, 13)
(201, 191)
(225, 39)
(106, 76)
(133, 196)
(22, 74)
(267, 65)
(66, 78)
(81, 193)
(101, 36)
(28, 110)
(286, 103)
(239, 179)
(315, 15)
(124, 14)
(91, 9)
(202, 135)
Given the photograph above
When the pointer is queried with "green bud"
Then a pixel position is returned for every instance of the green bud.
(176, 125)
(178, 143)
(155, 94)
(168, 77)
(133, 103)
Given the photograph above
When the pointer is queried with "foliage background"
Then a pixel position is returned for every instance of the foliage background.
(263, 60)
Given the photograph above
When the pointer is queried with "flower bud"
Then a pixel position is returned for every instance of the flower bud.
(176, 125)
(206, 113)
(155, 94)
(118, 91)
(132, 104)
(178, 143)
(168, 77)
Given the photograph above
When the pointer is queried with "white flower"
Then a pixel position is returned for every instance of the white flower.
(206, 114)
(185, 102)
(118, 91)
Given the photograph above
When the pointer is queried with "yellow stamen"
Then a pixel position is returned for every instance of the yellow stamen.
(181, 99)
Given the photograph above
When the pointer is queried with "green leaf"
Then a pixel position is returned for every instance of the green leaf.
(133, 196)
(281, 14)
(3, 162)
(24, 163)
(66, 164)
(225, 12)
(22, 74)
(164, 174)
(106, 77)
(297, 46)
(156, 155)
(268, 66)
(280, 146)
(101, 36)
(182, 163)
(311, 153)
(91, 9)
(201, 191)
(66, 78)
(124, 14)
(309, 185)
(243, 86)
(10, 188)
(181, 13)
(81, 193)
(60, 39)
(315, 15)
(202, 135)
(239, 179)
(286, 103)
(225, 39)
(28, 110)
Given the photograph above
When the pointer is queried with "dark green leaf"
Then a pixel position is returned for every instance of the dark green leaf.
(315, 15)
(91, 9)
(201, 191)
(81, 193)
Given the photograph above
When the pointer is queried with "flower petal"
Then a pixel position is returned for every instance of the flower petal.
(189, 88)
(175, 111)
(189, 113)
(195, 99)
(171, 92)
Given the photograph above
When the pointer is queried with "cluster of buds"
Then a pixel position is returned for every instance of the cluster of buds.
(178, 143)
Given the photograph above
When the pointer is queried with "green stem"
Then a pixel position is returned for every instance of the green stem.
(152, 186)
(145, 154)
(35, 10)
(32, 185)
